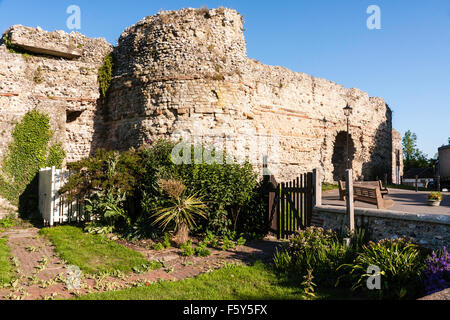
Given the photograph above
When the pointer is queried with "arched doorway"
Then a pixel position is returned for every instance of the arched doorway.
(339, 159)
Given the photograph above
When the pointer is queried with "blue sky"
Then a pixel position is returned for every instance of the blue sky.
(406, 62)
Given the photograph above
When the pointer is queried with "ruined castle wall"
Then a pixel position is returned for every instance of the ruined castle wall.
(185, 73)
(58, 76)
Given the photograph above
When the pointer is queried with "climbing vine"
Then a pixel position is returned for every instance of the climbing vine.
(27, 153)
(105, 74)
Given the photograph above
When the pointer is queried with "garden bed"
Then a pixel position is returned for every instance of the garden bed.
(233, 282)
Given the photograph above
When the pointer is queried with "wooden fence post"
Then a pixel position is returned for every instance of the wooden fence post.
(317, 183)
(349, 198)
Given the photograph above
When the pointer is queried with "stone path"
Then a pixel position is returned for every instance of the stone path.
(42, 275)
(405, 201)
(443, 295)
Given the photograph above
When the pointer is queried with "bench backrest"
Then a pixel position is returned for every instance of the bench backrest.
(367, 194)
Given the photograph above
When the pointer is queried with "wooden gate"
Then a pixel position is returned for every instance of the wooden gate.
(290, 205)
(54, 206)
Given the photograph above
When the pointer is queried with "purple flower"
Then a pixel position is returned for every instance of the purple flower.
(437, 273)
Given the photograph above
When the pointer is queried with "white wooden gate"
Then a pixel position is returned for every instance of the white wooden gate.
(52, 205)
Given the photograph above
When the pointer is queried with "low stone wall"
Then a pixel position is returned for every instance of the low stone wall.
(429, 230)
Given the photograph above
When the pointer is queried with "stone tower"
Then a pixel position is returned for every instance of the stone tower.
(186, 74)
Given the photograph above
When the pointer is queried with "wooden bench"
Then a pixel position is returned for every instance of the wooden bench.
(371, 184)
(371, 195)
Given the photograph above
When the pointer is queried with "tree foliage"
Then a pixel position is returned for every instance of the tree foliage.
(413, 156)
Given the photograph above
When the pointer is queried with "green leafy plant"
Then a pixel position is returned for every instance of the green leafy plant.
(146, 267)
(241, 241)
(308, 284)
(141, 229)
(180, 210)
(202, 250)
(8, 222)
(167, 241)
(187, 250)
(282, 260)
(107, 209)
(106, 171)
(211, 240)
(158, 246)
(227, 244)
(314, 249)
(401, 263)
(95, 228)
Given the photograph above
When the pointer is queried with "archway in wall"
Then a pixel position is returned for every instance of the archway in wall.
(339, 159)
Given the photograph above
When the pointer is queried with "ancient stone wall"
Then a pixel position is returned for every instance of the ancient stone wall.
(57, 74)
(184, 73)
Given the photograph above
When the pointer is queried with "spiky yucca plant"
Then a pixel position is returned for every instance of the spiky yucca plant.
(179, 211)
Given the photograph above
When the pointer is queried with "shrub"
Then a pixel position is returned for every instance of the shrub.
(141, 229)
(224, 187)
(252, 219)
(401, 263)
(107, 171)
(149, 179)
(437, 272)
(314, 249)
(107, 209)
(241, 241)
(211, 240)
(227, 244)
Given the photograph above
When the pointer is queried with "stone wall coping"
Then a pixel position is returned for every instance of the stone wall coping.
(389, 214)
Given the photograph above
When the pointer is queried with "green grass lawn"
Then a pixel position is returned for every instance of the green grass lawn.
(6, 271)
(328, 187)
(92, 253)
(257, 282)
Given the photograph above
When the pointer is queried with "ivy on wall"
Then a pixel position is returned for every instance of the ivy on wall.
(28, 151)
(105, 75)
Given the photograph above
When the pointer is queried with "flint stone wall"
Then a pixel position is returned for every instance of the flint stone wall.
(429, 230)
(186, 73)
(63, 88)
